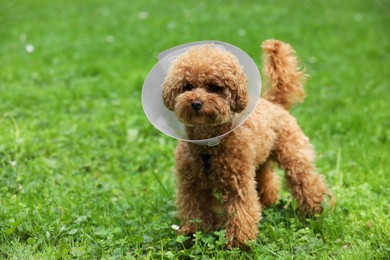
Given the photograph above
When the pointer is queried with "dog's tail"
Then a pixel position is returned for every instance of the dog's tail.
(284, 77)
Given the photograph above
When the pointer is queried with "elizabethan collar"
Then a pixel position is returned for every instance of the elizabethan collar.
(165, 120)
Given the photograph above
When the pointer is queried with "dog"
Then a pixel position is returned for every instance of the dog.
(227, 185)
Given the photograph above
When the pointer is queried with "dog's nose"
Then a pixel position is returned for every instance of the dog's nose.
(196, 105)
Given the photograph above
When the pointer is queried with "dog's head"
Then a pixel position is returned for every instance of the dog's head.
(205, 86)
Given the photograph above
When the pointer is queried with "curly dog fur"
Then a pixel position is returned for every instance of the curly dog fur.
(227, 185)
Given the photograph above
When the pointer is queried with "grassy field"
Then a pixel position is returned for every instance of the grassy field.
(84, 175)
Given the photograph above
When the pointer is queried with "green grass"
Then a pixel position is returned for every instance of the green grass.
(84, 175)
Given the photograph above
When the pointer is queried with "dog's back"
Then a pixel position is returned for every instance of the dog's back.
(283, 75)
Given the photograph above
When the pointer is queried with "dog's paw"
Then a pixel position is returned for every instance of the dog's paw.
(187, 230)
(313, 210)
(241, 238)
(235, 243)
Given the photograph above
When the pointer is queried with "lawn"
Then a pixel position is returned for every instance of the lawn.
(84, 175)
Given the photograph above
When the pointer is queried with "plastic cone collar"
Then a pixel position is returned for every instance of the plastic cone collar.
(165, 120)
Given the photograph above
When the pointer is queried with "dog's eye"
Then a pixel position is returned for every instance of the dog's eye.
(187, 87)
(214, 88)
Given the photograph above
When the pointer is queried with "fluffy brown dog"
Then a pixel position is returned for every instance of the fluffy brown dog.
(226, 186)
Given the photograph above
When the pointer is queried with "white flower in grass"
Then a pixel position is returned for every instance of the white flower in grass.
(171, 25)
(105, 12)
(358, 17)
(175, 227)
(143, 15)
(187, 13)
(242, 32)
(23, 37)
(110, 39)
(29, 48)
(13, 163)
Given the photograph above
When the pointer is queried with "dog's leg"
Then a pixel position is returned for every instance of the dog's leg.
(241, 205)
(195, 207)
(267, 184)
(295, 155)
(195, 201)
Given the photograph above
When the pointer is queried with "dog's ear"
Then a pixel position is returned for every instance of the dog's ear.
(239, 93)
(169, 94)
(241, 102)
